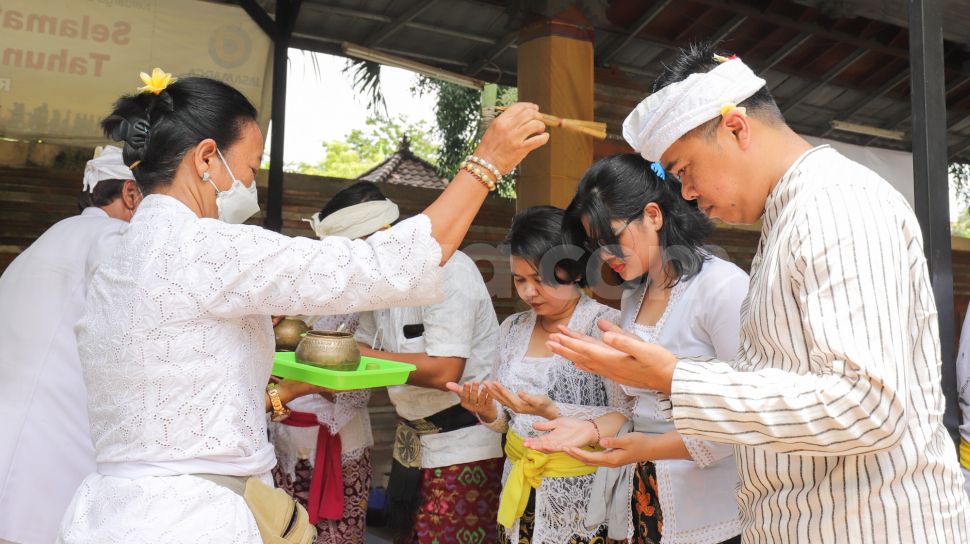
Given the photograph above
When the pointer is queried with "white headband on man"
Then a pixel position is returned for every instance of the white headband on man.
(666, 115)
(106, 164)
(356, 221)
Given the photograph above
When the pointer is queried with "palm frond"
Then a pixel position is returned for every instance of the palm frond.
(366, 80)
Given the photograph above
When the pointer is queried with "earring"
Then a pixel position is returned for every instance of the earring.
(205, 176)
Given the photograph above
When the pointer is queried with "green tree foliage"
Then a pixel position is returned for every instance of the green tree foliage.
(363, 149)
(458, 115)
(961, 227)
(960, 181)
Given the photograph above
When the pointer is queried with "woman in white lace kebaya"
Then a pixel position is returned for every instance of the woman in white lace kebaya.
(176, 342)
(631, 213)
(321, 427)
(544, 497)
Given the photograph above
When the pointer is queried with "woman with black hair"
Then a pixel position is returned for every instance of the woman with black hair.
(630, 213)
(176, 342)
(531, 384)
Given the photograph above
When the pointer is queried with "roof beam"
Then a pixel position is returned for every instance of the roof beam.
(397, 24)
(260, 17)
(785, 50)
(828, 76)
(506, 42)
(952, 86)
(894, 82)
(727, 28)
(820, 31)
(378, 18)
(960, 148)
(349, 12)
(638, 27)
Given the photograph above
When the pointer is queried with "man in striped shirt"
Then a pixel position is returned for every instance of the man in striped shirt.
(834, 398)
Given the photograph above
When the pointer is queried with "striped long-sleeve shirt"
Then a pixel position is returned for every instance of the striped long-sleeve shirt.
(834, 398)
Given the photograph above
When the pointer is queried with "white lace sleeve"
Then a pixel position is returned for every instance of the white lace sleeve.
(704, 452)
(578, 411)
(617, 400)
(255, 271)
(501, 422)
(345, 407)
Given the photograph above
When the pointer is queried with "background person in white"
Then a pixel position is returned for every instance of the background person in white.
(455, 340)
(46, 450)
(835, 392)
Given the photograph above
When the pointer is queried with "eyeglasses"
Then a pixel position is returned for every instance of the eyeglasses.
(595, 245)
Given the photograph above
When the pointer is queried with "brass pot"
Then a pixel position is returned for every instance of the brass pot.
(288, 333)
(329, 349)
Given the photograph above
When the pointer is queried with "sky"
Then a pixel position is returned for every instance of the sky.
(325, 107)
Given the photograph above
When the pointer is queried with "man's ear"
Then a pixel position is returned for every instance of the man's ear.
(738, 124)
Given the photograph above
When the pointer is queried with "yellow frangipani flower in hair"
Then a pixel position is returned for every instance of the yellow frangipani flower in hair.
(157, 82)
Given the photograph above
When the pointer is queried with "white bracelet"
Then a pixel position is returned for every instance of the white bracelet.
(489, 166)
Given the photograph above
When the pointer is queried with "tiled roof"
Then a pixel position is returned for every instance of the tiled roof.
(406, 168)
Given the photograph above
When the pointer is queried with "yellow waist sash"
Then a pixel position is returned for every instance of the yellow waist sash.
(529, 467)
(964, 453)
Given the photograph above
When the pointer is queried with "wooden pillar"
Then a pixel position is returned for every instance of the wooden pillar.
(555, 71)
(930, 183)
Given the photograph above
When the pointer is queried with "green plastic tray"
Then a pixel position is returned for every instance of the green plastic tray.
(372, 372)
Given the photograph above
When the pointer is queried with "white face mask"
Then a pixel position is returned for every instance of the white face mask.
(237, 204)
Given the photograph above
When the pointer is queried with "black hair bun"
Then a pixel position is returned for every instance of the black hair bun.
(135, 133)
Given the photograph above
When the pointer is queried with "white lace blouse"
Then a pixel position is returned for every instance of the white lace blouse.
(560, 503)
(697, 496)
(177, 346)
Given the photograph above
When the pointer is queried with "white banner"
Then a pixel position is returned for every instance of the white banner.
(63, 62)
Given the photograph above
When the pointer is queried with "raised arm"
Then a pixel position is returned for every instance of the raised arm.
(511, 137)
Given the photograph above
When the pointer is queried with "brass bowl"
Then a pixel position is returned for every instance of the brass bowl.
(289, 332)
(332, 350)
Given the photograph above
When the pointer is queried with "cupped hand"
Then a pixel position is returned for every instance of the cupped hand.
(476, 399)
(522, 402)
(619, 450)
(562, 433)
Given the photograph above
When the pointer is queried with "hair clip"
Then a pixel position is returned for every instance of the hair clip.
(659, 170)
(720, 58)
(157, 82)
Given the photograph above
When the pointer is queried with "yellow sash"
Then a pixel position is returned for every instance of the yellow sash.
(529, 467)
(964, 453)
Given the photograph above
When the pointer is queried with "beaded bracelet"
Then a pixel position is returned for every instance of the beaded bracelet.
(479, 174)
(491, 167)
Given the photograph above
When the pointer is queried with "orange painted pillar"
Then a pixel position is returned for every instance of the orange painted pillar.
(555, 71)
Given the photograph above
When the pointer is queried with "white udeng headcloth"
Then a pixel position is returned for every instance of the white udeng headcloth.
(666, 115)
(106, 164)
(356, 221)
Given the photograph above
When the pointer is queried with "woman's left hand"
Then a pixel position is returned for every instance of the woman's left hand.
(523, 403)
(291, 389)
(561, 433)
(620, 450)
